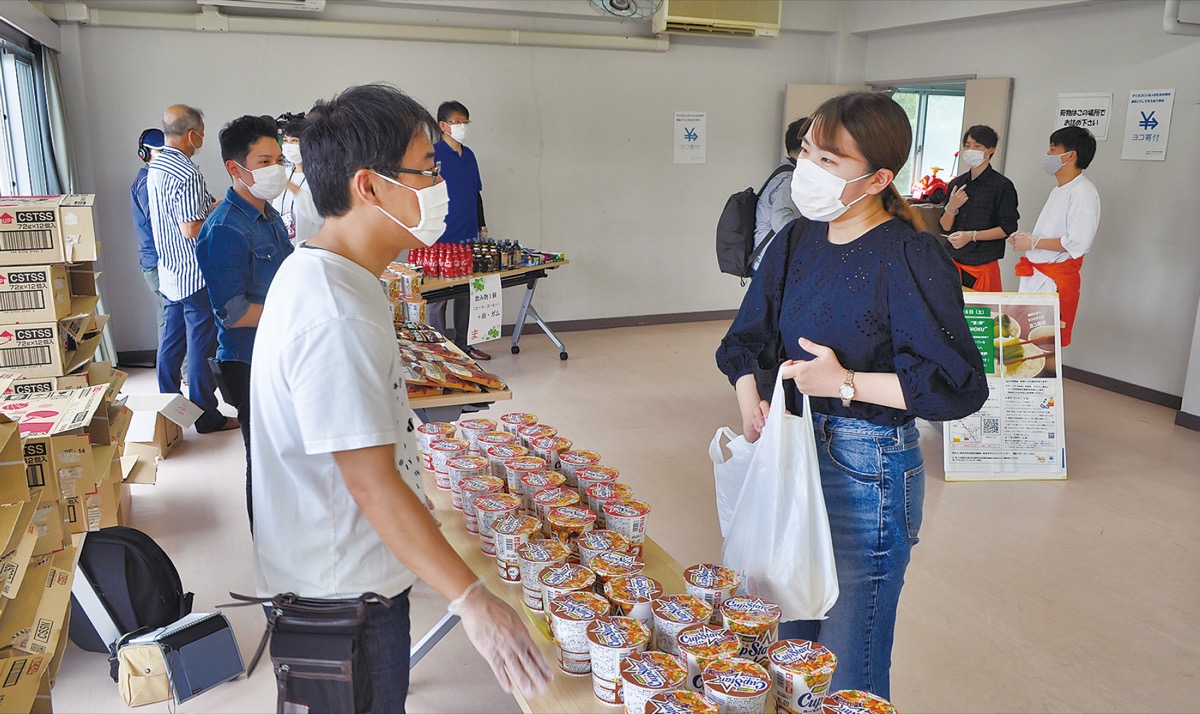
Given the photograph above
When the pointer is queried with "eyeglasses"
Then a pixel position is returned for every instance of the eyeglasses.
(431, 173)
(456, 122)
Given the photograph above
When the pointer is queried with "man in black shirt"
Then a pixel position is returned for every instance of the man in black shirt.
(980, 212)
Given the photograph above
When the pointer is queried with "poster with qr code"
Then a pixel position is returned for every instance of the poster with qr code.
(1018, 433)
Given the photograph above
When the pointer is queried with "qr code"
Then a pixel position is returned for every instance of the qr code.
(991, 426)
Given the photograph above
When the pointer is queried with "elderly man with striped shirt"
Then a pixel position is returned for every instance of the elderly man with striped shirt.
(179, 203)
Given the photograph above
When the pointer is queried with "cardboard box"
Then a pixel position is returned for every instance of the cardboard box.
(51, 349)
(51, 527)
(159, 420)
(20, 539)
(14, 486)
(42, 636)
(47, 229)
(21, 676)
(92, 374)
(57, 453)
(34, 293)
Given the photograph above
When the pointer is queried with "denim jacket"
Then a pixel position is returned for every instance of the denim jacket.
(239, 249)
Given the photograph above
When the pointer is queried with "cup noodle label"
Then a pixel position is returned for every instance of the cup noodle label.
(516, 468)
(529, 434)
(511, 533)
(628, 517)
(515, 420)
(488, 510)
(610, 640)
(674, 613)
(633, 596)
(440, 452)
(802, 671)
(737, 686)
(534, 557)
(570, 615)
(600, 494)
(472, 428)
(552, 498)
(549, 448)
(756, 623)
(499, 454)
(591, 475)
(713, 583)
(644, 674)
(683, 701)
(701, 645)
(472, 490)
(596, 542)
(429, 433)
(562, 579)
(464, 467)
(534, 482)
(573, 460)
(850, 701)
(613, 565)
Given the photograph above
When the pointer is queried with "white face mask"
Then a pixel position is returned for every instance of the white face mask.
(458, 132)
(434, 202)
(1051, 163)
(269, 181)
(291, 152)
(972, 158)
(818, 193)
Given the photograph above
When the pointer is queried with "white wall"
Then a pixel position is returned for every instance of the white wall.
(574, 145)
(1140, 282)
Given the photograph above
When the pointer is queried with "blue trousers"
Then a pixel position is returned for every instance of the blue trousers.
(190, 328)
(873, 478)
(388, 641)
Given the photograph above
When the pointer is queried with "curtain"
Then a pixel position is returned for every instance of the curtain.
(60, 169)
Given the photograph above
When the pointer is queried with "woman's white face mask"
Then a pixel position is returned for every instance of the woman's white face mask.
(818, 193)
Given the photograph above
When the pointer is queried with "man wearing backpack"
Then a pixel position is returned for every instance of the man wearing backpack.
(775, 208)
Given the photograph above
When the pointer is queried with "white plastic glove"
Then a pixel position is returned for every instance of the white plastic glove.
(499, 635)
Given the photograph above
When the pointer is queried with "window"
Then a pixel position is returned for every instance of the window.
(23, 169)
(936, 114)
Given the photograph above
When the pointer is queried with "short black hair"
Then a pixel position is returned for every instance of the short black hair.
(985, 135)
(1079, 140)
(794, 135)
(240, 134)
(289, 123)
(370, 126)
(445, 109)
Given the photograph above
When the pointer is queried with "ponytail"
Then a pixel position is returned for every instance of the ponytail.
(895, 204)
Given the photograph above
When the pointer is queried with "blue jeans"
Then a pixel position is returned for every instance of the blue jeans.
(189, 327)
(388, 641)
(874, 483)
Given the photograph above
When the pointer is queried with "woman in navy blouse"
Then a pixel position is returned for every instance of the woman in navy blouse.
(870, 312)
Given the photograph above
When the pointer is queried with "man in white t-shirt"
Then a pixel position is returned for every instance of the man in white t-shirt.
(1066, 226)
(338, 510)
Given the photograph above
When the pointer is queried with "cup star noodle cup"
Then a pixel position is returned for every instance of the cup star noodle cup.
(500, 454)
(552, 498)
(575, 459)
(633, 596)
(534, 431)
(600, 494)
(598, 473)
(700, 646)
(737, 686)
(610, 640)
(517, 467)
(550, 448)
(713, 583)
(570, 615)
(628, 517)
(802, 671)
(472, 428)
(614, 565)
(534, 482)
(442, 451)
(756, 623)
(644, 674)
(515, 420)
(463, 467)
(567, 523)
(429, 433)
(595, 542)
(683, 701)
(488, 510)
(472, 489)
(562, 579)
(534, 557)
(674, 613)
(510, 533)
(851, 701)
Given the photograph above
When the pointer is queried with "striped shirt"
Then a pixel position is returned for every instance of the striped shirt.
(177, 194)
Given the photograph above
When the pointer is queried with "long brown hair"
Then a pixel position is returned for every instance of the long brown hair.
(879, 128)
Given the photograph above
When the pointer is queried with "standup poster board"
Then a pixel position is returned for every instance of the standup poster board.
(1018, 434)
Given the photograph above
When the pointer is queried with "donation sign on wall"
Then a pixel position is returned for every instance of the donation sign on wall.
(1018, 434)
(691, 137)
(487, 309)
(1090, 111)
(1147, 124)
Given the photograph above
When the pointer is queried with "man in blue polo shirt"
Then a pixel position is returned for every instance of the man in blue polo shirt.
(460, 171)
(241, 246)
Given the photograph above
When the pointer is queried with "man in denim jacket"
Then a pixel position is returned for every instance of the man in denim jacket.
(240, 248)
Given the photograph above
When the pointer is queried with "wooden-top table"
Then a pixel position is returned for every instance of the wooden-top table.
(566, 695)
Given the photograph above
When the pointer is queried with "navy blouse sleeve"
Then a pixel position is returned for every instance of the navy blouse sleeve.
(939, 366)
(757, 321)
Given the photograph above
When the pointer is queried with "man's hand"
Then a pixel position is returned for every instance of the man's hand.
(817, 377)
(960, 238)
(500, 636)
(957, 198)
(1021, 241)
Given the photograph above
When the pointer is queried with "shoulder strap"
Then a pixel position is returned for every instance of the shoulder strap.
(778, 170)
(95, 609)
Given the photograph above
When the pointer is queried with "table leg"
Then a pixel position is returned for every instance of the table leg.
(431, 638)
(525, 305)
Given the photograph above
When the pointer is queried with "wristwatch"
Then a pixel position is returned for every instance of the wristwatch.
(846, 391)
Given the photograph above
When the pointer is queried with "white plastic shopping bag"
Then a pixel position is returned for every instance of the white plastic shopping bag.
(779, 536)
(729, 472)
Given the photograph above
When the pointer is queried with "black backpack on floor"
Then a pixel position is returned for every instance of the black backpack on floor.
(735, 230)
(134, 580)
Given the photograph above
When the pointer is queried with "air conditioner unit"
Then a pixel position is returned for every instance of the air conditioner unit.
(724, 18)
(310, 5)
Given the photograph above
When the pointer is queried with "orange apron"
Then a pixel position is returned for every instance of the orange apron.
(987, 276)
(1066, 277)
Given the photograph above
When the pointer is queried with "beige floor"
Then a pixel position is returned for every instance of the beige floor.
(1076, 596)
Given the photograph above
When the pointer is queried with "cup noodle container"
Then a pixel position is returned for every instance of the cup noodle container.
(802, 671)
(713, 583)
(598, 495)
(683, 701)
(534, 557)
(595, 473)
(562, 579)
(515, 420)
(464, 467)
(852, 701)
(442, 451)
(552, 498)
(595, 542)
(610, 640)
(472, 428)
(429, 433)
(570, 615)
(534, 431)
(472, 490)
(534, 482)
(672, 614)
(614, 565)
(500, 454)
(551, 448)
(633, 596)
(628, 517)
(700, 646)
(515, 468)
(645, 674)
(489, 510)
(510, 533)
(737, 686)
(756, 623)
(576, 459)
(567, 523)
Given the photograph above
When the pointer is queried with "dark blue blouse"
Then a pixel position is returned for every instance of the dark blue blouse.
(890, 301)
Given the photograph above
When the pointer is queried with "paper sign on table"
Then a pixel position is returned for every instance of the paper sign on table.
(487, 309)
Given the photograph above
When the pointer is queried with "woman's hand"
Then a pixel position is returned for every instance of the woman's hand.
(754, 421)
(1021, 241)
(820, 376)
